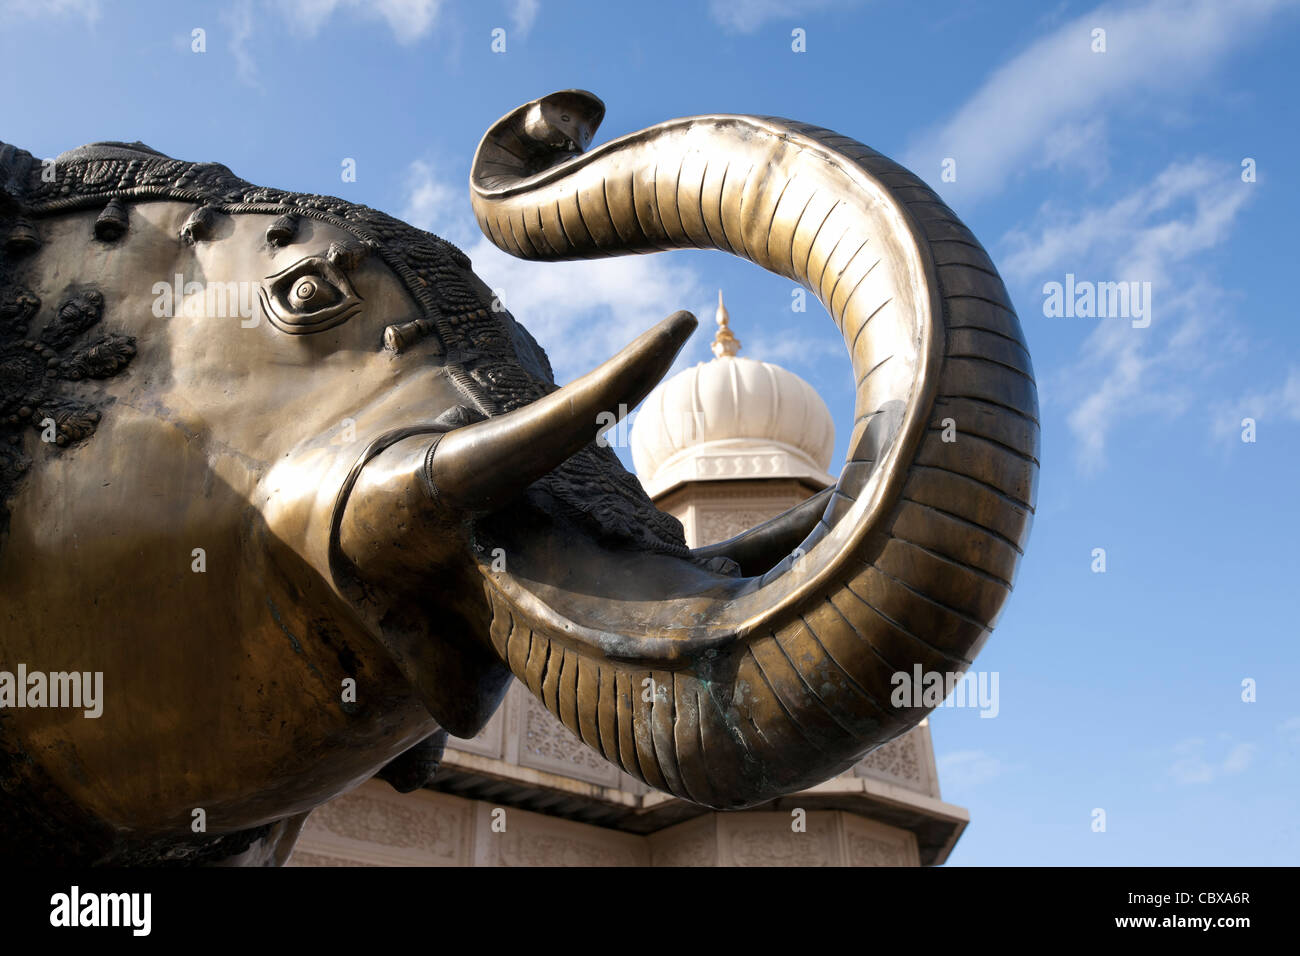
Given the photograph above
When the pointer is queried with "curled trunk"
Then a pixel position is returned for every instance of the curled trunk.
(726, 691)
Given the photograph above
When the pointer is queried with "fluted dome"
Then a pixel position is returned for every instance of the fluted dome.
(732, 417)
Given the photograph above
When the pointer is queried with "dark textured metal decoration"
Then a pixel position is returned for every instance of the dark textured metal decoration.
(22, 239)
(37, 372)
(199, 225)
(112, 223)
(282, 231)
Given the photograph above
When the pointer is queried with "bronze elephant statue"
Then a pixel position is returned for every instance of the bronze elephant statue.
(288, 496)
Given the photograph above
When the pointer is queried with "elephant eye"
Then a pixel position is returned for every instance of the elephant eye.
(312, 295)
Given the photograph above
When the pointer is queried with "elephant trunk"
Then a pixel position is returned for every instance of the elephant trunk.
(730, 692)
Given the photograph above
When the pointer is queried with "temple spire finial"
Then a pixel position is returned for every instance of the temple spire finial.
(725, 344)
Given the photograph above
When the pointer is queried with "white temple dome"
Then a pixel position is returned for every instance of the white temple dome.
(732, 418)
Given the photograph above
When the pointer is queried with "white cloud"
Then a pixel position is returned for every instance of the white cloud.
(1278, 404)
(1131, 232)
(1152, 234)
(523, 13)
(746, 16)
(89, 10)
(964, 769)
(788, 346)
(432, 204)
(1191, 765)
(1080, 146)
(1044, 107)
(580, 312)
(1239, 758)
(239, 19)
(408, 19)
(1050, 106)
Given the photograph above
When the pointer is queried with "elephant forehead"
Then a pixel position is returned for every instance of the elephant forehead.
(238, 280)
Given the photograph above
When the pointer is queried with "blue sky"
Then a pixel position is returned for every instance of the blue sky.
(1120, 690)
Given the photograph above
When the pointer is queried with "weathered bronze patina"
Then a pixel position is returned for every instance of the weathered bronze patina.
(260, 447)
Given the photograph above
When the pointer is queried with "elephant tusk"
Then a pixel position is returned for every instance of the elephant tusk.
(483, 466)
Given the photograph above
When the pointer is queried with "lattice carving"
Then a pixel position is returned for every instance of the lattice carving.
(715, 526)
(322, 859)
(869, 851)
(899, 761)
(392, 824)
(530, 848)
(767, 840)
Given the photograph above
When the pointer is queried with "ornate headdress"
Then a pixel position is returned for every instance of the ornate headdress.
(492, 359)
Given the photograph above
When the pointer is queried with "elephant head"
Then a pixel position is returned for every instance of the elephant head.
(366, 474)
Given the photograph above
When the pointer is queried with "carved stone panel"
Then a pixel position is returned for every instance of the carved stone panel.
(306, 858)
(741, 465)
(767, 839)
(376, 826)
(868, 843)
(907, 761)
(693, 843)
(715, 511)
(718, 524)
(534, 839)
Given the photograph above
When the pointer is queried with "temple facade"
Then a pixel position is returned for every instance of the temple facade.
(722, 446)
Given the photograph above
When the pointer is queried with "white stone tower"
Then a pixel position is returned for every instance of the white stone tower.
(731, 442)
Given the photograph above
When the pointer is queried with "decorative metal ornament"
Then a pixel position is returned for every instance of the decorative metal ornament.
(22, 238)
(398, 337)
(725, 342)
(282, 231)
(36, 376)
(199, 226)
(112, 223)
